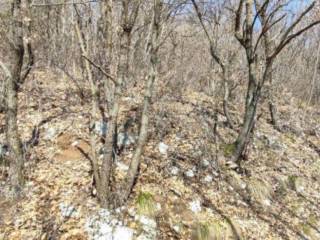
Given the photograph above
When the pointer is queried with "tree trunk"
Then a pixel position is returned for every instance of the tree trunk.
(252, 99)
(143, 134)
(152, 51)
(16, 54)
(225, 103)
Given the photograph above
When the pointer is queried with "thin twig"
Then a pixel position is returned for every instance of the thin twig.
(108, 75)
(59, 4)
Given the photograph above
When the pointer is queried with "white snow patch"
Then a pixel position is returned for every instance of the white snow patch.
(104, 226)
(68, 210)
(149, 227)
(163, 148)
(195, 206)
(174, 170)
(122, 167)
(205, 163)
(122, 233)
(189, 173)
(208, 179)
(50, 133)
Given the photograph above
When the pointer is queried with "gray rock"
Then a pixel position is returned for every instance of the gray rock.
(163, 148)
(100, 128)
(208, 179)
(50, 133)
(121, 166)
(174, 170)
(205, 163)
(195, 206)
(3, 150)
(274, 143)
(104, 226)
(68, 211)
(189, 173)
(149, 227)
(125, 139)
(122, 233)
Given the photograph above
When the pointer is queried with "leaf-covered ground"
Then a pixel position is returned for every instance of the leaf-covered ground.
(184, 184)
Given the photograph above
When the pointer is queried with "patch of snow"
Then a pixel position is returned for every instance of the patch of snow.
(243, 185)
(163, 148)
(122, 167)
(174, 170)
(149, 227)
(104, 226)
(125, 139)
(105, 230)
(208, 179)
(189, 173)
(147, 222)
(50, 133)
(214, 173)
(122, 233)
(205, 163)
(158, 206)
(267, 202)
(68, 210)
(299, 189)
(101, 128)
(75, 143)
(195, 206)
(177, 228)
(132, 212)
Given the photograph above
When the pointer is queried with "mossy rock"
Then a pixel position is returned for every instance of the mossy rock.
(308, 231)
(202, 231)
(228, 149)
(212, 230)
(260, 190)
(146, 204)
(290, 137)
(297, 206)
(296, 183)
(313, 220)
(235, 180)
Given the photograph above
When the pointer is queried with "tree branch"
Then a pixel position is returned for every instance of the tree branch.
(108, 75)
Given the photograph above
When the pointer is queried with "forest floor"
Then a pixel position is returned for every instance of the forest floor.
(184, 190)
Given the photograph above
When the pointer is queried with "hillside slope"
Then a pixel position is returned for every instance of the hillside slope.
(185, 189)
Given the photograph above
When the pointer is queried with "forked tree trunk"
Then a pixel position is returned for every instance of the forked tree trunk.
(121, 69)
(152, 51)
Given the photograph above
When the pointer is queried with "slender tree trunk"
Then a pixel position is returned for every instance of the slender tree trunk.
(273, 109)
(143, 134)
(152, 50)
(16, 53)
(226, 102)
(250, 111)
(94, 111)
(270, 94)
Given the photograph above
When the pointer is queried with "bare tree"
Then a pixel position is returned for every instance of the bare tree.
(15, 74)
(245, 34)
(225, 68)
(152, 49)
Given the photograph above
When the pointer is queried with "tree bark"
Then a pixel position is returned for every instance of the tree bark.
(94, 111)
(16, 53)
(153, 74)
